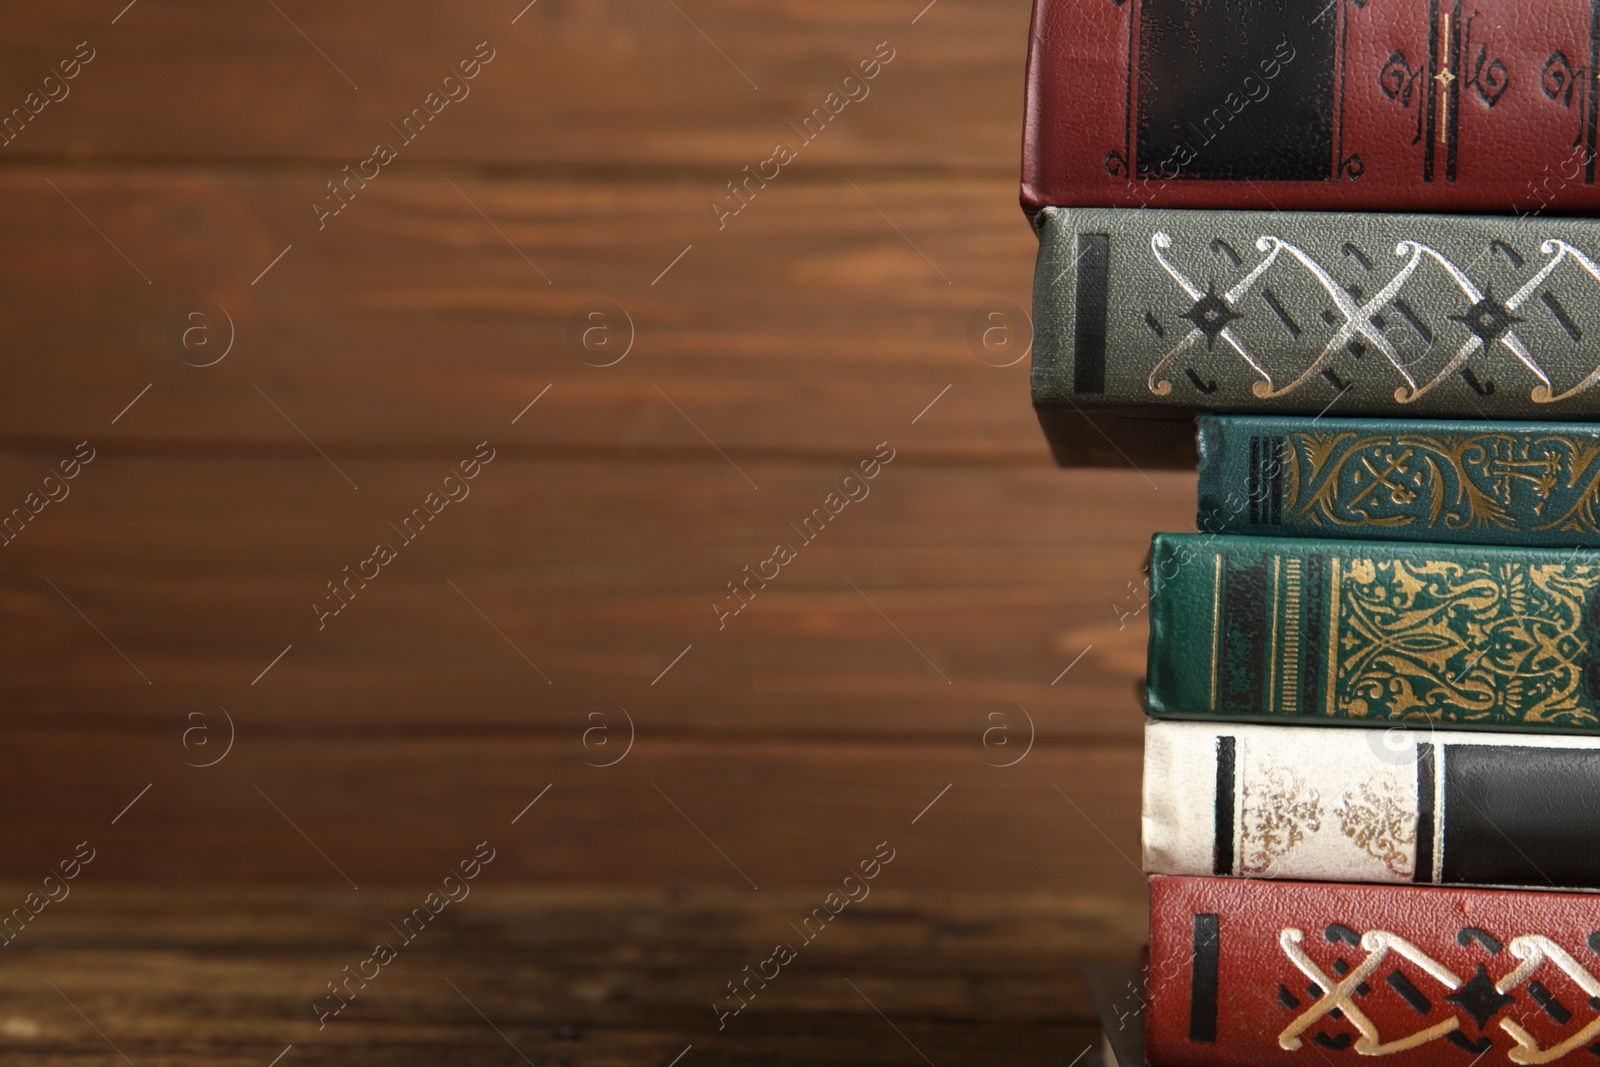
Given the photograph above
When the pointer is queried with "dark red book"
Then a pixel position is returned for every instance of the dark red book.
(1369, 105)
(1264, 973)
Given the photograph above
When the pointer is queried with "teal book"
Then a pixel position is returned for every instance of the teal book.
(1508, 483)
(1321, 631)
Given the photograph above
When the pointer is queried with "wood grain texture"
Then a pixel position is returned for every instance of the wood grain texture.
(619, 83)
(368, 810)
(773, 348)
(206, 975)
(809, 325)
(557, 583)
(170, 697)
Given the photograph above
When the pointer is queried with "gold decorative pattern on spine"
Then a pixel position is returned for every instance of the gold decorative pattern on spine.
(1216, 629)
(1272, 630)
(1382, 823)
(1276, 811)
(1503, 481)
(1490, 643)
(1289, 686)
(1340, 993)
(1333, 632)
(1537, 954)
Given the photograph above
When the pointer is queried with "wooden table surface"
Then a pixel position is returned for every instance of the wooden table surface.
(238, 976)
(197, 682)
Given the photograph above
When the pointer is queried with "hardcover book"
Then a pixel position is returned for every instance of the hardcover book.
(1277, 974)
(1445, 807)
(1522, 483)
(1360, 105)
(1163, 314)
(1119, 999)
(1374, 632)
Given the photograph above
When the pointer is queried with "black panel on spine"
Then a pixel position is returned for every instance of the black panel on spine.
(1203, 985)
(1222, 842)
(1268, 455)
(1245, 616)
(1089, 322)
(1516, 815)
(1425, 772)
(1235, 90)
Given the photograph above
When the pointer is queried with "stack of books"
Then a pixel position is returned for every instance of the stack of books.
(1343, 259)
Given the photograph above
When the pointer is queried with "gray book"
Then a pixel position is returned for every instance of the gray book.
(1144, 317)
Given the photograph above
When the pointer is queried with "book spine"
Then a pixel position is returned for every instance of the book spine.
(1365, 633)
(1257, 313)
(1398, 806)
(1370, 105)
(1263, 974)
(1401, 480)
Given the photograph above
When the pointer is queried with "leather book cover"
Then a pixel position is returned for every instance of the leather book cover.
(1445, 807)
(1374, 632)
(1171, 313)
(1247, 973)
(1353, 105)
(1509, 483)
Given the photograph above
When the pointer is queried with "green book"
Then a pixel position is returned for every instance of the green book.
(1330, 632)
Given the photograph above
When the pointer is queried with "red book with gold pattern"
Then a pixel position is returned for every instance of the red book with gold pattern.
(1265, 973)
(1365, 105)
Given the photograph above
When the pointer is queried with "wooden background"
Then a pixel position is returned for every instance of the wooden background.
(767, 358)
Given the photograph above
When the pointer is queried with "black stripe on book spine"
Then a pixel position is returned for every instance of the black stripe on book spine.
(1453, 133)
(1089, 323)
(1203, 984)
(1408, 992)
(1433, 71)
(1253, 480)
(1222, 842)
(1549, 1002)
(1548, 299)
(1282, 312)
(1128, 116)
(1280, 456)
(1425, 773)
(1594, 92)
(1424, 331)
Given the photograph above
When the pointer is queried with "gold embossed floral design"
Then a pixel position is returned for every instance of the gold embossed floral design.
(1488, 643)
(1277, 813)
(1380, 822)
(1458, 482)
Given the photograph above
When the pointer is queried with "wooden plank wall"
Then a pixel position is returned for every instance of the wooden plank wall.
(164, 603)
